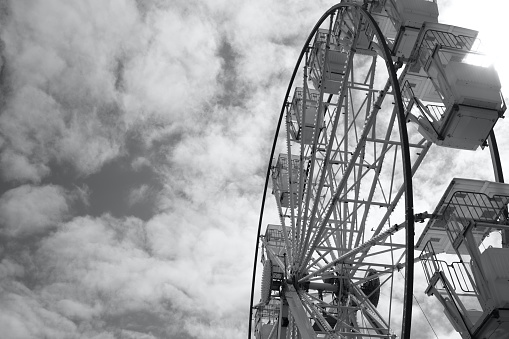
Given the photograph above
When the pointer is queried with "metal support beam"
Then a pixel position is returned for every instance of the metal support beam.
(298, 313)
(356, 250)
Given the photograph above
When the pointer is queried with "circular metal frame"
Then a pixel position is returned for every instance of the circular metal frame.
(405, 160)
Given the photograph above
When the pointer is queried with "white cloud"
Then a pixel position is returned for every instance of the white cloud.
(88, 143)
(76, 310)
(138, 194)
(92, 270)
(9, 268)
(17, 167)
(140, 162)
(27, 210)
(81, 194)
(177, 68)
(23, 315)
(60, 60)
(82, 75)
(135, 335)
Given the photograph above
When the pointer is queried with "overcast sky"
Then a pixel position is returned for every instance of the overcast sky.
(134, 138)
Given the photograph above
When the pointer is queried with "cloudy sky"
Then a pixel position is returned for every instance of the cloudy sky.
(134, 137)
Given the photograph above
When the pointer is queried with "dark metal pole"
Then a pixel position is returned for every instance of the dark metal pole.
(499, 177)
(278, 127)
(407, 176)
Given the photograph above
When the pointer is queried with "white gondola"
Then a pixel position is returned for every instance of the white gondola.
(460, 101)
(333, 68)
(268, 310)
(401, 22)
(305, 118)
(473, 286)
(283, 179)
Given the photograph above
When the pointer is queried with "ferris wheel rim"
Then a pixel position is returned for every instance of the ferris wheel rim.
(407, 170)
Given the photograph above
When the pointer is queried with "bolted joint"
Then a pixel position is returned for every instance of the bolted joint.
(420, 217)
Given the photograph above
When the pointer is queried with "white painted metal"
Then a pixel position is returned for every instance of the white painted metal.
(468, 212)
(435, 230)
(304, 119)
(339, 198)
(459, 102)
(286, 184)
(495, 266)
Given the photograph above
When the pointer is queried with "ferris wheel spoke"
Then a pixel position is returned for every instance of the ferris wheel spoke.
(322, 172)
(422, 152)
(343, 181)
(297, 310)
(352, 253)
(327, 210)
(374, 250)
(331, 131)
(341, 185)
(320, 322)
(370, 313)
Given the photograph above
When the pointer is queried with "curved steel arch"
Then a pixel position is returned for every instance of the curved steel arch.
(405, 153)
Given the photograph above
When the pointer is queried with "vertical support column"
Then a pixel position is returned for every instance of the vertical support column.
(499, 177)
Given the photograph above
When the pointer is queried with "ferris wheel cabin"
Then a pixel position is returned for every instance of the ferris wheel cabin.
(460, 98)
(473, 285)
(285, 174)
(304, 115)
(328, 73)
(268, 310)
(401, 22)
(456, 98)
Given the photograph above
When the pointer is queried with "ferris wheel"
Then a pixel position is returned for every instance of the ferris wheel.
(375, 86)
